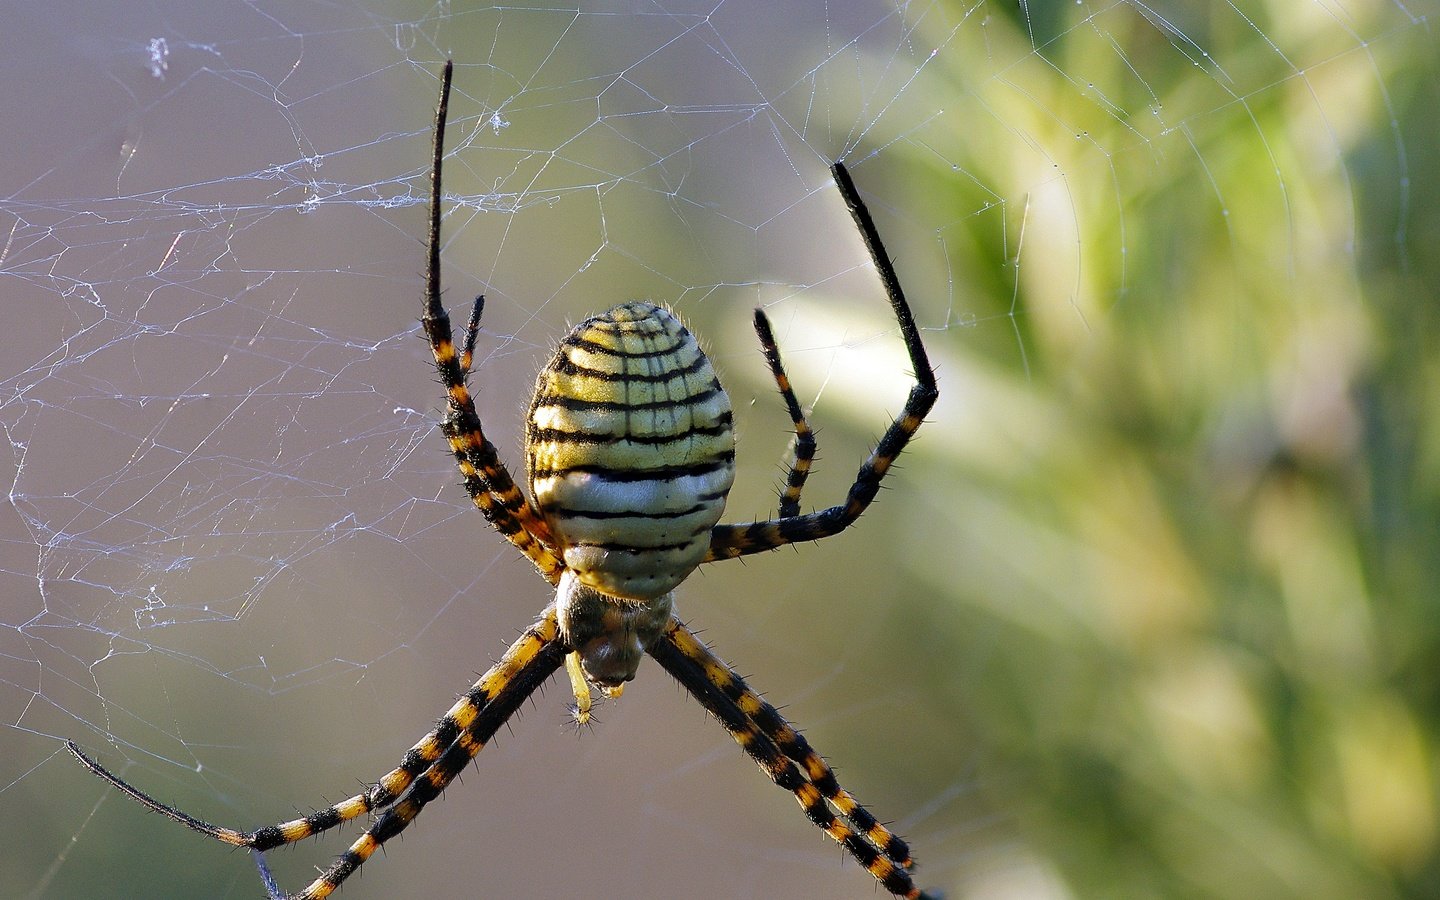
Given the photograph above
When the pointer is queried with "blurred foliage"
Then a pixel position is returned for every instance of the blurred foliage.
(1195, 536)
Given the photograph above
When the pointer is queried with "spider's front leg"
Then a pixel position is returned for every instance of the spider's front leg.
(524, 667)
(427, 768)
(786, 757)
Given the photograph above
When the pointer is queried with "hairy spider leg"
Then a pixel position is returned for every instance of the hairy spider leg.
(486, 479)
(802, 449)
(525, 666)
(776, 747)
(730, 541)
(468, 724)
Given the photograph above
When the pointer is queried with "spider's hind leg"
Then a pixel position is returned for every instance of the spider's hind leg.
(731, 541)
(802, 449)
(488, 482)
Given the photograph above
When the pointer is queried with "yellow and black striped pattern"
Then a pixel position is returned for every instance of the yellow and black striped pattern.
(802, 449)
(486, 480)
(630, 451)
(426, 769)
(731, 541)
(461, 734)
(784, 755)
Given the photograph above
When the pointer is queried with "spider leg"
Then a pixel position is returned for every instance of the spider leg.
(730, 541)
(803, 449)
(457, 737)
(472, 328)
(486, 479)
(523, 668)
(777, 748)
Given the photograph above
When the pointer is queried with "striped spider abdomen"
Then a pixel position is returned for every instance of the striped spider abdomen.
(630, 451)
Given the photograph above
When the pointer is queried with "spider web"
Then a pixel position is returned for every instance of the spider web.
(236, 564)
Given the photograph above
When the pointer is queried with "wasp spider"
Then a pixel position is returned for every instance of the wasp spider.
(630, 456)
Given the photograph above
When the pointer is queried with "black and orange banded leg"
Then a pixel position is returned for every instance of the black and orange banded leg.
(792, 743)
(802, 451)
(486, 479)
(524, 667)
(462, 731)
(730, 541)
(786, 758)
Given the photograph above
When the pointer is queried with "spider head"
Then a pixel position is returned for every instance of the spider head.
(610, 634)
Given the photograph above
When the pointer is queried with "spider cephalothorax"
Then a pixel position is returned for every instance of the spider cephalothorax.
(630, 456)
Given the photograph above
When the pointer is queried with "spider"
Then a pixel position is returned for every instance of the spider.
(630, 456)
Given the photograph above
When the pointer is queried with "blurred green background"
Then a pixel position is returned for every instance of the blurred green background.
(1193, 533)
(1147, 611)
